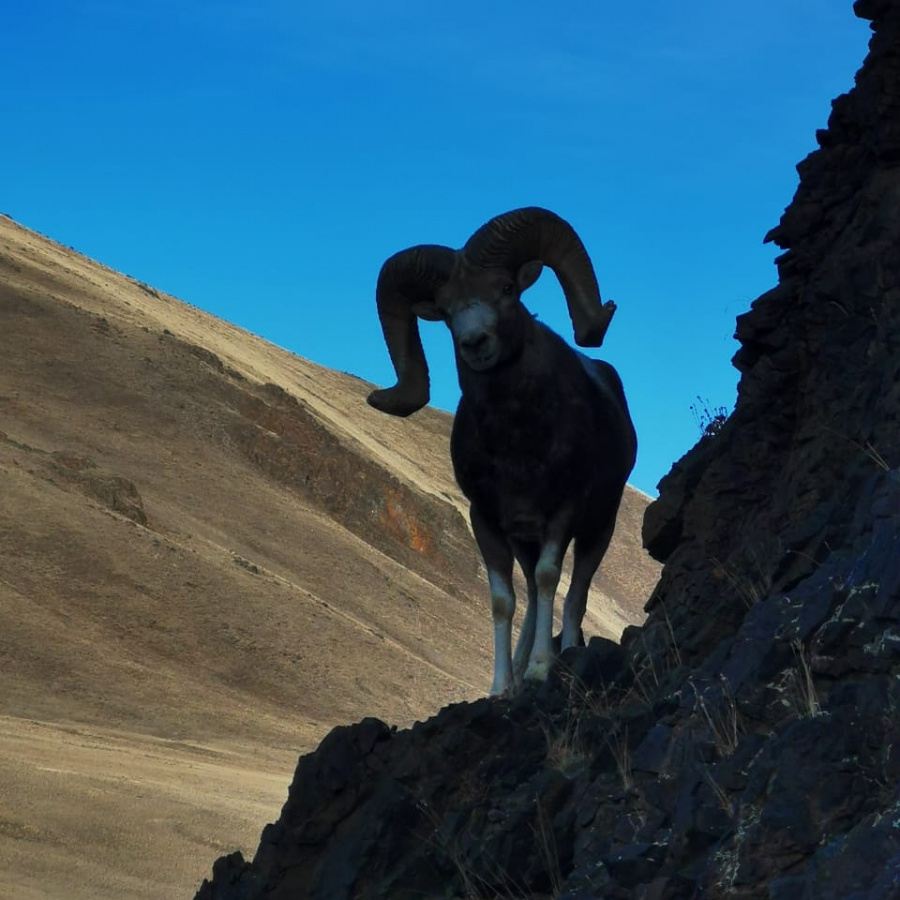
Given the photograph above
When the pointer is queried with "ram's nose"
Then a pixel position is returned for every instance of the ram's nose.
(474, 344)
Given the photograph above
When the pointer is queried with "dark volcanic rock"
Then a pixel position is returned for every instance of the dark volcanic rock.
(746, 741)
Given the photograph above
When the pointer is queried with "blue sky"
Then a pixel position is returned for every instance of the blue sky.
(261, 159)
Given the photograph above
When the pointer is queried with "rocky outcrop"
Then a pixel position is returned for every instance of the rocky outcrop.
(285, 439)
(746, 741)
(70, 470)
(758, 508)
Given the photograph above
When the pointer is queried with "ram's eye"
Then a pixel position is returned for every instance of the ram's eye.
(508, 288)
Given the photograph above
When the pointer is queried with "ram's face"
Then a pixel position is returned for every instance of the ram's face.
(479, 311)
(483, 311)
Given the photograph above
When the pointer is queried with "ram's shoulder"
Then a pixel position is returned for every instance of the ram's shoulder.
(603, 375)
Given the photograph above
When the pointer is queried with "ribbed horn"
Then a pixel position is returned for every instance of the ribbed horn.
(408, 277)
(531, 233)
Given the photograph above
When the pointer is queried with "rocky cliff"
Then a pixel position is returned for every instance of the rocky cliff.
(746, 741)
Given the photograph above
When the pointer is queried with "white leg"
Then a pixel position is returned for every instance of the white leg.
(498, 559)
(547, 574)
(503, 605)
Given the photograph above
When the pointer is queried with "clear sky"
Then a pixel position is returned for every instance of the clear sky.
(261, 158)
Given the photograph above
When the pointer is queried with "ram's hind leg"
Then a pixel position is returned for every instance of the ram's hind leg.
(527, 556)
(498, 559)
(587, 558)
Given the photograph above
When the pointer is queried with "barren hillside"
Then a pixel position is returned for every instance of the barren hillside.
(212, 552)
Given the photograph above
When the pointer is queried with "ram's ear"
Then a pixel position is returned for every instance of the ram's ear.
(529, 274)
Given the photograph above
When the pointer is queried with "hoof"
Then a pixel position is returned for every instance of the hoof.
(537, 670)
(510, 689)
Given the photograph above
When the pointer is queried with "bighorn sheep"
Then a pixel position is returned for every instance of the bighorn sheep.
(542, 442)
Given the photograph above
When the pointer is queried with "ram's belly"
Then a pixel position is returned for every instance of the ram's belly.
(522, 506)
(523, 525)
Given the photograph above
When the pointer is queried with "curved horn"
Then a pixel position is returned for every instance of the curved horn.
(409, 277)
(531, 233)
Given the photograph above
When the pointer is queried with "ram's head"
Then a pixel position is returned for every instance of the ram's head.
(476, 291)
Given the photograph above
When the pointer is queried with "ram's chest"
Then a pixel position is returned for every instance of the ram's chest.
(511, 466)
(520, 443)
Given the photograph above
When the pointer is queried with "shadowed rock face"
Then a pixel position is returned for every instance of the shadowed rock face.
(746, 741)
(760, 507)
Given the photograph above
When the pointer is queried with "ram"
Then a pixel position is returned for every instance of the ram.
(542, 442)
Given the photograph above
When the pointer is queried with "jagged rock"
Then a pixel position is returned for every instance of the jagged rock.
(746, 741)
(119, 494)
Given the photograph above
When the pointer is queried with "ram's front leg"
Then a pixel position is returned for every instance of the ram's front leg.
(546, 576)
(498, 560)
